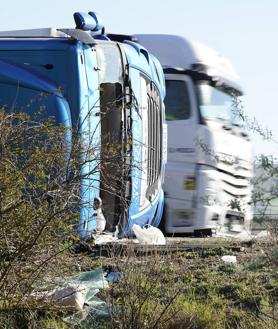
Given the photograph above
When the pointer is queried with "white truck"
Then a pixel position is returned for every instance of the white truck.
(207, 180)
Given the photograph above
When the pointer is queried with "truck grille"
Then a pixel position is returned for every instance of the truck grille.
(154, 133)
(235, 177)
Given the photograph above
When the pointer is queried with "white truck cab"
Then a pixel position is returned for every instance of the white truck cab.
(207, 179)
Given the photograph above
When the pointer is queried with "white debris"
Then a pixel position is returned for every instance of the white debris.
(71, 297)
(104, 239)
(244, 236)
(262, 235)
(108, 238)
(229, 259)
(149, 235)
(99, 218)
(76, 293)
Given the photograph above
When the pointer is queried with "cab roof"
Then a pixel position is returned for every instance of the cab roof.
(179, 52)
(136, 54)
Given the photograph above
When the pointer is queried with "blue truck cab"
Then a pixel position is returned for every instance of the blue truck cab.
(110, 91)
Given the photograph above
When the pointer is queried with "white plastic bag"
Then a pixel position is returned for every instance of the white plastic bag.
(149, 235)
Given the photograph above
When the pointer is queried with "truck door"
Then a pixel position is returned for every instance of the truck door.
(182, 120)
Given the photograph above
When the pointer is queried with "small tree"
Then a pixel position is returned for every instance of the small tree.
(41, 176)
(39, 187)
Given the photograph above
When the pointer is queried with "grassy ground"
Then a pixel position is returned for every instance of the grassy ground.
(183, 289)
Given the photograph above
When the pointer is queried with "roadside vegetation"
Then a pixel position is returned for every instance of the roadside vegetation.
(198, 290)
(176, 290)
(39, 202)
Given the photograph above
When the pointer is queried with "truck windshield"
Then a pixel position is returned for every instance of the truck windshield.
(177, 102)
(215, 103)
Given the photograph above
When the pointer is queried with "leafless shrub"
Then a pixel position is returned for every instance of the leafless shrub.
(45, 170)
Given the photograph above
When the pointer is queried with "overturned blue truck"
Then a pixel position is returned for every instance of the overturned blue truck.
(112, 91)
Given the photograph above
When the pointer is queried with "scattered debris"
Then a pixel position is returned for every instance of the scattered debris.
(243, 236)
(70, 298)
(93, 308)
(110, 238)
(262, 235)
(149, 235)
(100, 239)
(113, 277)
(229, 259)
(99, 217)
(76, 294)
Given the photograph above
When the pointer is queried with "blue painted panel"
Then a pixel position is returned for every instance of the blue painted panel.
(73, 78)
(161, 81)
(137, 59)
(34, 44)
(90, 132)
(20, 75)
(22, 89)
(150, 215)
(101, 37)
(76, 82)
(140, 63)
(64, 73)
(33, 101)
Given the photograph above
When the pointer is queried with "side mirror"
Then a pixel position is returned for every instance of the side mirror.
(85, 21)
(97, 18)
